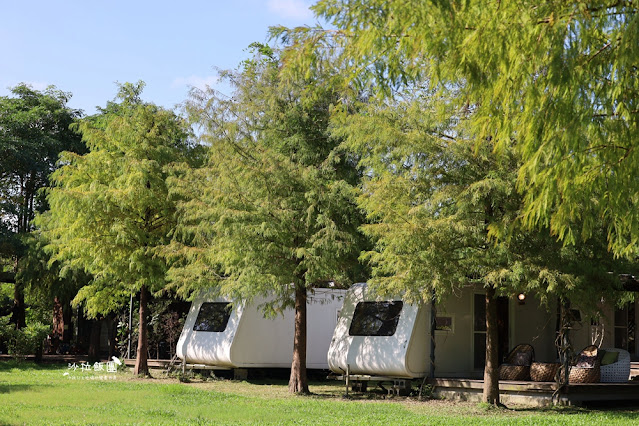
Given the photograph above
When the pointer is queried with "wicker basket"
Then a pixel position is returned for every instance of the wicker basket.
(585, 374)
(590, 370)
(514, 372)
(543, 371)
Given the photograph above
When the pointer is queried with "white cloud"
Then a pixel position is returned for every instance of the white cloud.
(196, 81)
(291, 9)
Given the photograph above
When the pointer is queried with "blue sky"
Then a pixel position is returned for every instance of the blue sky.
(84, 47)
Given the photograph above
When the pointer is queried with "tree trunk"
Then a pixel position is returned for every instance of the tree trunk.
(491, 370)
(38, 352)
(58, 319)
(67, 318)
(19, 309)
(564, 339)
(94, 340)
(111, 334)
(141, 365)
(298, 382)
(57, 331)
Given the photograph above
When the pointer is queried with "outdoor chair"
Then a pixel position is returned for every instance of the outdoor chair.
(544, 371)
(587, 369)
(616, 371)
(517, 363)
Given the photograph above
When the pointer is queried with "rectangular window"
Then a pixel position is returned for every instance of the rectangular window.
(625, 328)
(375, 318)
(213, 316)
(479, 331)
(444, 324)
(479, 353)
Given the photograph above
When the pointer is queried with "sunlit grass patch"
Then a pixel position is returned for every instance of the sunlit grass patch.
(43, 394)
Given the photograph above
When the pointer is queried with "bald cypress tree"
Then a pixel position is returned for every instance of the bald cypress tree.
(557, 81)
(444, 215)
(110, 210)
(553, 85)
(272, 213)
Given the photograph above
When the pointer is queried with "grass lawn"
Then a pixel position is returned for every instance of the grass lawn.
(34, 394)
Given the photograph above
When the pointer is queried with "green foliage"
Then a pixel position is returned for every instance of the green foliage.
(556, 80)
(6, 298)
(24, 341)
(520, 103)
(34, 129)
(45, 279)
(163, 328)
(110, 209)
(444, 212)
(274, 204)
(43, 392)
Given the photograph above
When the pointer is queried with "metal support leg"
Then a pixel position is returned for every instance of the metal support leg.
(348, 378)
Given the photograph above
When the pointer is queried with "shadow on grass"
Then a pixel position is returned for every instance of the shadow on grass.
(556, 409)
(332, 390)
(621, 409)
(319, 389)
(614, 405)
(14, 388)
(11, 364)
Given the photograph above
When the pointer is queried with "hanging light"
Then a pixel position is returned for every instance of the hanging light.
(521, 297)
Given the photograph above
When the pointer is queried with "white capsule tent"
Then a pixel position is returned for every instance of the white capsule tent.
(221, 335)
(376, 337)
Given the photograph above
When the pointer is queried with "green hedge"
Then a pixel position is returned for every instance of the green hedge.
(23, 342)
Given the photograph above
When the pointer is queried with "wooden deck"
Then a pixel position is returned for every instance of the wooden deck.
(152, 363)
(537, 393)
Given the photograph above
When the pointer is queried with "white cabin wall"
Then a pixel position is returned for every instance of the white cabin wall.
(250, 340)
(453, 349)
(528, 323)
(580, 334)
(606, 327)
(187, 330)
(322, 310)
(205, 347)
(404, 354)
(263, 341)
(536, 325)
(602, 334)
(418, 353)
(584, 333)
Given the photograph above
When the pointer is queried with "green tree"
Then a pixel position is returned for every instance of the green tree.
(49, 285)
(272, 213)
(110, 209)
(444, 215)
(553, 84)
(34, 129)
(556, 79)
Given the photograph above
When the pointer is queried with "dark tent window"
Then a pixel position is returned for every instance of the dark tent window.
(213, 316)
(375, 318)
